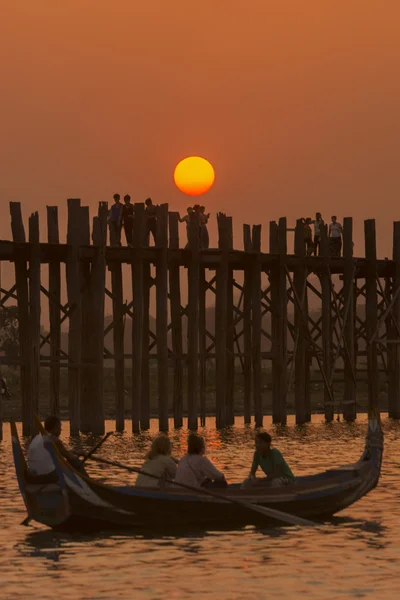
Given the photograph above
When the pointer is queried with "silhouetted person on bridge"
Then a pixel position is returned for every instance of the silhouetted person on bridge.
(186, 219)
(204, 238)
(308, 236)
(114, 221)
(318, 224)
(126, 219)
(335, 238)
(151, 218)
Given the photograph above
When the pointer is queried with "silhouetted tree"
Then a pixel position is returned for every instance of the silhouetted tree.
(9, 340)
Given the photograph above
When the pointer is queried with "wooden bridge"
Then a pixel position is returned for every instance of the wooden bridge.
(257, 296)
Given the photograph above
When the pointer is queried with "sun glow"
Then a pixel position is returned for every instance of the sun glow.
(194, 176)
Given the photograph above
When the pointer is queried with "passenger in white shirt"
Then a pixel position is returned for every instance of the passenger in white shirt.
(335, 237)
(159, 463)
(195, 469)
(40, 462)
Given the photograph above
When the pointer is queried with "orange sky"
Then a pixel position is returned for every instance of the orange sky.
(295, 102)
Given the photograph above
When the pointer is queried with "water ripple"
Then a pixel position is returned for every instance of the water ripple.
(357, 555)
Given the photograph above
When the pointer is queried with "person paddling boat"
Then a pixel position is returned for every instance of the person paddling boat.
(40, 462)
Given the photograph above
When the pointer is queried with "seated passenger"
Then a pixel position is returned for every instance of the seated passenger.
(159, 463)
(272, 463)
(195, 469)
(40, 462)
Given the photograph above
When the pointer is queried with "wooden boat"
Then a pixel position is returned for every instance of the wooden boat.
(80, 503)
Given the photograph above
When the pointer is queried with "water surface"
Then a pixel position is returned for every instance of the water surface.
(355, 556)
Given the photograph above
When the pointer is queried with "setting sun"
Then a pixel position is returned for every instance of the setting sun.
(194, 176)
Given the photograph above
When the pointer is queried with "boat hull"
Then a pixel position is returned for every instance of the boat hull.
(77, 502)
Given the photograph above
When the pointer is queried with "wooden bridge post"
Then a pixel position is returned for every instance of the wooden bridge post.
(97, 295)
(256, 325)
(162, 314)
(21, 281)
(176, 320)
(54, 313)
(247, 347)
(349, 400)
(34, 312)
(326, 317)
(145, 393)
(118, 338)
(230, 329)
(85, 409)
(302, 367)
(278, 245)
(202, 345)
(139, 232)
(371, 312)
(221, 324)
(75, 313)
(393, 349)
(193, 318)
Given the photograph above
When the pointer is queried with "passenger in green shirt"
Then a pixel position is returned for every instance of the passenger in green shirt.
(271, 461)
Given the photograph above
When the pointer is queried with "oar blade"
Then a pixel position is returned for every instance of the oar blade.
(278, 515)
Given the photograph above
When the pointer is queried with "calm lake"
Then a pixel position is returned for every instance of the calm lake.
(357, 555)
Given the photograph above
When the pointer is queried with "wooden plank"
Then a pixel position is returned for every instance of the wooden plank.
(118, 338)
(394, 351)
(274, 275)
(301, 318)
(247, 243)
(371, 313)
(162, 314)
(85, 410)
(176, 322)
(247, 347)
(350, 391)
(202, 345)
(75, 317)
(256, 325)
(54, 313)
(278, 245)
(193, 320)
(21, 281)
(282, 248)
(221, 326)
(326, 315)
(34, 312)
(97, 296)
(230, 330)
(137, 319)
(145, 395)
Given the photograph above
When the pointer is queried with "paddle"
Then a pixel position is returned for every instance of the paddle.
(268, 512)
(96, 447)
(42, 430)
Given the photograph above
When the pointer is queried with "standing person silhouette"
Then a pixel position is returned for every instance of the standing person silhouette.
(186, 219)
(335, 237)
(318, 224)
(114, 221)
(204, 237)
(151, 214)
(308, 236)
(126, 219)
